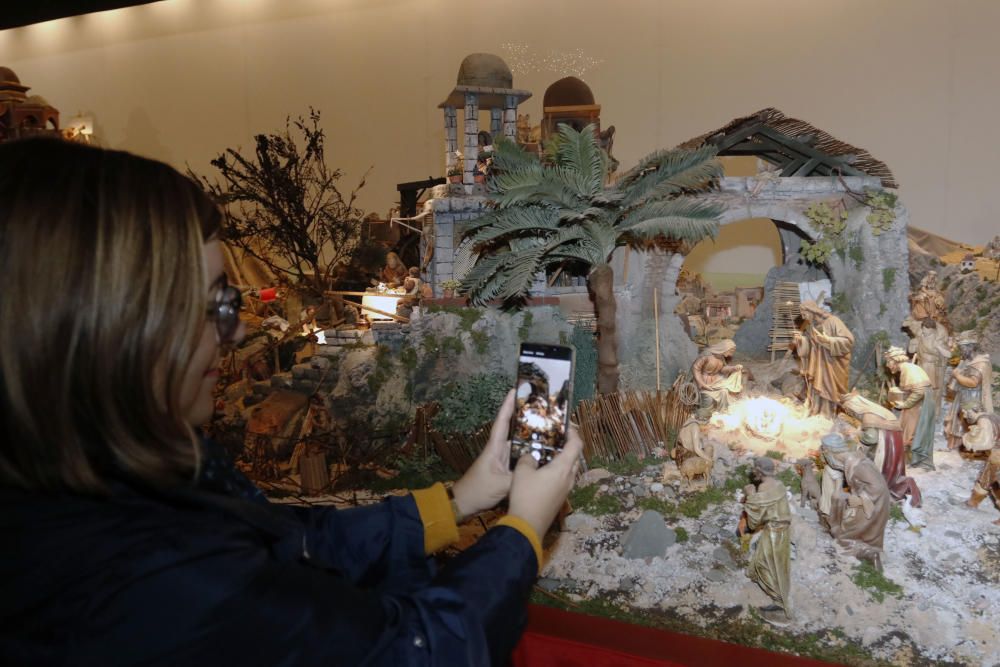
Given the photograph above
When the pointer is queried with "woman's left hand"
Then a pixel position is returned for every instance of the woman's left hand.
(487, 481)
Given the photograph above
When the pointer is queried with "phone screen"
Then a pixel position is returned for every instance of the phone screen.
(544, 389)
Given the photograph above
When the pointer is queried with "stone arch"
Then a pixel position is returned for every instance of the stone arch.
(869, 286)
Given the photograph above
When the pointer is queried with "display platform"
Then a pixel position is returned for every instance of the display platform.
(557, 638)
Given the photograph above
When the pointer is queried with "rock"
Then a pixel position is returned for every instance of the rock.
(547, 584)
(578, 522)
(321, 363)
(647, 537)
(594, 475)
(723, 557)
(626, 585)
(717, 575)
(656, 487)
(640, 491)
(847, 608)
(953, 533)
(603, 488)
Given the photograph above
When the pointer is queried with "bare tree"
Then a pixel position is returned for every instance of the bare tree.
(282, 204)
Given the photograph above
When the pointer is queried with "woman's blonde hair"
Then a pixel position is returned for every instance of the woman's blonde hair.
(101, 308)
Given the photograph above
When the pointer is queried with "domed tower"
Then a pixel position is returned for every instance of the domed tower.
(21, 115)
(570, 101)
(484, 83)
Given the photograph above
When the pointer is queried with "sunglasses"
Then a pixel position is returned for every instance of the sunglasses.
(225, 310)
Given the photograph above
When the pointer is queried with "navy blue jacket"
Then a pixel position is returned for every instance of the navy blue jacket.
(209, 577)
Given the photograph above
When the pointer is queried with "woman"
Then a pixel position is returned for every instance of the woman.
(127, 539)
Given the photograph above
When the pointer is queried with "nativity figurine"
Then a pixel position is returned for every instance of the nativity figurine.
(932, 348)
(882, 437)
(987, 483)
(983, 432)
(928, 301)
(970, 382)
(767, 517)
(393, 273)
(715, 376)
(917, 409)
(857, 517)
(825, 350)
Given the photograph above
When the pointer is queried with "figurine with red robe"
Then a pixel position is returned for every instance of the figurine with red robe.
(882, 436)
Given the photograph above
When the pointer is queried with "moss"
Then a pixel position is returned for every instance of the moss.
(468, 316)
(587, 500)
(888, 278)
(480, 341)
(452, 345)
(840, 303)
(657, 505)
(882, 309)
(896, 512)
(857, 255)
(357, 345)
(867, 578)
(524, 330)
(408, 357)
(430, 343)
(383, 368)
(775, 454)
(682, 535)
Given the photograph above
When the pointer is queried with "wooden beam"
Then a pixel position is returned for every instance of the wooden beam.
(808, 167)
(738, 135)
(792, 167)
(398, 318)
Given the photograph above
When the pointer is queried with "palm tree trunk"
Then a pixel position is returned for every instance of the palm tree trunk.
(601, 282)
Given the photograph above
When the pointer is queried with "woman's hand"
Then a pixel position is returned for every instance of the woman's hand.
(488, 480)
(537, 494)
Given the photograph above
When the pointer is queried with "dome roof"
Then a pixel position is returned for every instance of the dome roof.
(568, 92)
(485, 69)
(7, 76)
(38, 101)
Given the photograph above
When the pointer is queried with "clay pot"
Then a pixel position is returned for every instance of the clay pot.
(455, 178)
(448, 293)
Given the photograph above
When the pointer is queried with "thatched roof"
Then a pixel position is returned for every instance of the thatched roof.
(799, 136)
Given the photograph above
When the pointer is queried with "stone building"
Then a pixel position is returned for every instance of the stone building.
(484, 83)
(22, 115)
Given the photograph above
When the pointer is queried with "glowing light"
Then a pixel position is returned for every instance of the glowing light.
(523, 59)
(379, 302)
(761, 424)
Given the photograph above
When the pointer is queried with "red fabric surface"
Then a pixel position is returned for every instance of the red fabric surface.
(556, 638)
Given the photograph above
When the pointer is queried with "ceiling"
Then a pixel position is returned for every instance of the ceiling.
(16, 13)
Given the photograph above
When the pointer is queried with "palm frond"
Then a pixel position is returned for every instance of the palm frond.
(670, 173)
(512, 221)
(579, 157)
(509, 156)
(503, 275)
(525, 187)
(685, 219)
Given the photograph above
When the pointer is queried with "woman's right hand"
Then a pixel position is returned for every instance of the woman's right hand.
(538, 493)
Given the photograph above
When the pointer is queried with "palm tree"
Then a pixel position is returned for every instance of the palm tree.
(562, 212)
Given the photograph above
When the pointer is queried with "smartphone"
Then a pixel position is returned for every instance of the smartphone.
(544, 394)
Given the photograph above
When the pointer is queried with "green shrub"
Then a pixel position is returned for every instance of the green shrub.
(468, 404)
(587, 500)
(585, 372)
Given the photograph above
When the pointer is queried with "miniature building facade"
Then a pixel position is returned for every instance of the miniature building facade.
(569, 101)
(484, 83)
(22, 115)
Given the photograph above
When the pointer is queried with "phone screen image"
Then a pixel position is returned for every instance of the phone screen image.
(544, 386)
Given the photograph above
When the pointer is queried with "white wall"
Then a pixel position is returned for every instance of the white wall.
(912, 81)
